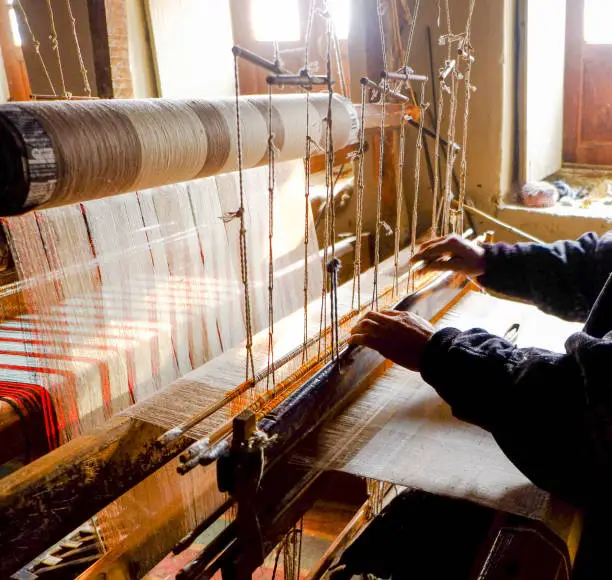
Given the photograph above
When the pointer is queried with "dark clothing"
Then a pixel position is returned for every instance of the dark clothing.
(546, 410)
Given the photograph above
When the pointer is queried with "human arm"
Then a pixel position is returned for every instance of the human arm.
(531, 400)
(563, 278)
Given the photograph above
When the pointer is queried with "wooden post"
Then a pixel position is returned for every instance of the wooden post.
(109, 36)
(14, 63)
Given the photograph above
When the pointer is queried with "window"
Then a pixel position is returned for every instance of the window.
(276, 20)
(14, 24)
(597, 19)
(280, 19)
(341, 13)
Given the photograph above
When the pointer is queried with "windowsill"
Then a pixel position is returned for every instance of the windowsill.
(594, 211)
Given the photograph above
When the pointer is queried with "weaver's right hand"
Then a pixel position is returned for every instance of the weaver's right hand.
(452, 253)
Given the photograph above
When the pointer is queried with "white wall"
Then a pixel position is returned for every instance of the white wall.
(141, 58)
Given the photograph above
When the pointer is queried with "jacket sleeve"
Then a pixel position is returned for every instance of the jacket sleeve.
(531, 400)
(563, 278)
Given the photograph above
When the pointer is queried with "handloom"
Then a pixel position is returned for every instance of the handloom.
(179, 345)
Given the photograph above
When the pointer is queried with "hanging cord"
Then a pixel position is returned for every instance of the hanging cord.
(448, 68)
(381, 32)
(333, 267)
(330, 210)
(466, 53)
(379, 225)
(399, 200)
(56, 48)
(36, 44)
(417, 181)
(250, 366)
(272, 151)
(436, 186)
(381, 153)
(415, 15)
(307, 171)
(86, 84)
(359, 210)
(451, 154)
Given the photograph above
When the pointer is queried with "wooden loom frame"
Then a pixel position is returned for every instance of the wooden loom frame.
(123, 450)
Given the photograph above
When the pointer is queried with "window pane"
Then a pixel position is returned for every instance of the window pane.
(598, 21)
(341, 13)
(276, 20)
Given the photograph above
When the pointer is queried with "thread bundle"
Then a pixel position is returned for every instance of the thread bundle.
(71, 152)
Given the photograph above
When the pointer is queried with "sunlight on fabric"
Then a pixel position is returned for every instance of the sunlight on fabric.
(597, 19)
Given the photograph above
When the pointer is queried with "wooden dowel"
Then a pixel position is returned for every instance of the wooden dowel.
(500, 223)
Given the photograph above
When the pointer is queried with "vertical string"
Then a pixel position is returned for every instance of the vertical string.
(450, 151)
(381, 155)
(329, 184)
(250, 367)
(55, 46)
(271, 187)
(359, 209)
(36, 44)
(417, 179)
(307, 170)
(86, 84)
(436, 186)
(466, 52)
(415, 15)
(399, 200)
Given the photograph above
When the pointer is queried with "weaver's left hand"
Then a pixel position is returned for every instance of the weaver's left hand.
(398, 336)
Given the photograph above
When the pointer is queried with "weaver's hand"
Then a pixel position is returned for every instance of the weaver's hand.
(452, 253)
(398, 336)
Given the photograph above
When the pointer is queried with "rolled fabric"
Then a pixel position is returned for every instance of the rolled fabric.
(58, 153)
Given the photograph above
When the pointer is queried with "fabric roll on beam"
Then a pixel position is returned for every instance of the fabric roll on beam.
(58, 153)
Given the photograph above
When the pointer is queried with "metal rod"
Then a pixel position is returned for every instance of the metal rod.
(370, 83)
(430, 133)
(407, 75)
(301, 80)
(273, 67)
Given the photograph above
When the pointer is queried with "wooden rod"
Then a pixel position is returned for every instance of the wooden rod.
(500, 223)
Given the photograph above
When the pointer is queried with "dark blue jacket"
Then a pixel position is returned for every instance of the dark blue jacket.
(551, 413)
